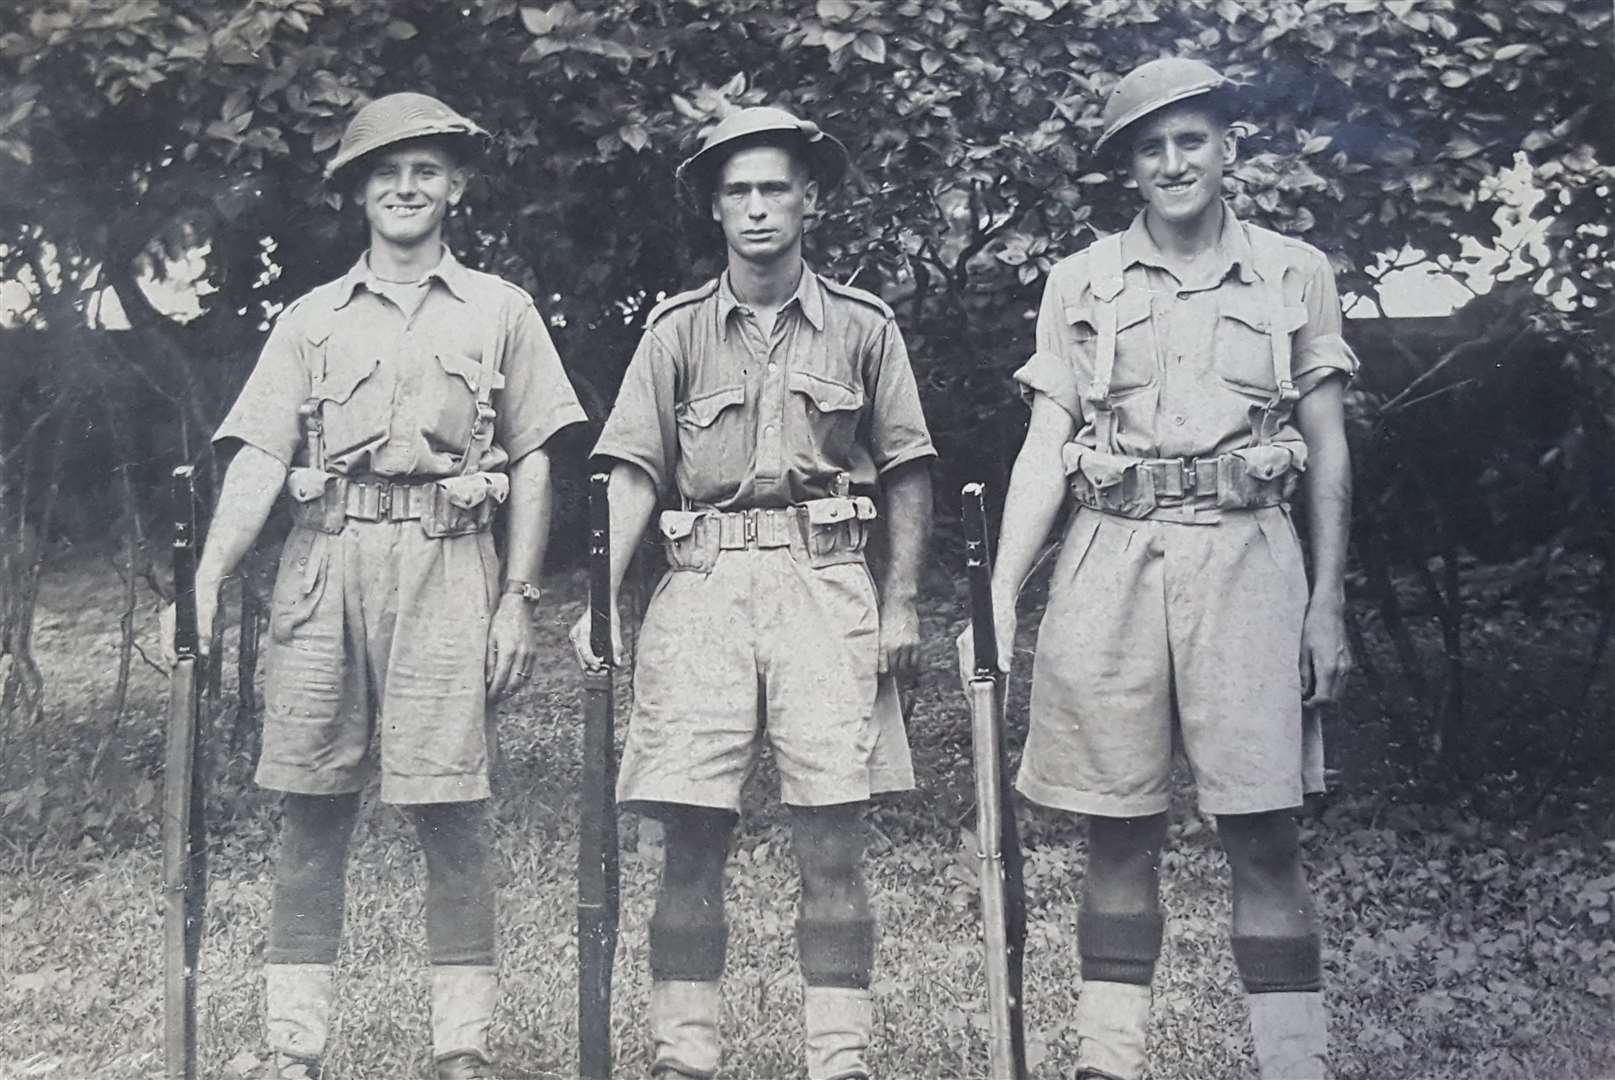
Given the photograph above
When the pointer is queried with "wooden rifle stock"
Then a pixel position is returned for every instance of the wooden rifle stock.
(184, 802)
(597, 824)
(1003, 890)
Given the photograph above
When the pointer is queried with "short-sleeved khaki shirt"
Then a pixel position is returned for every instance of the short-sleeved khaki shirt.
(1192, 356)
(729, 419)
(398, 390)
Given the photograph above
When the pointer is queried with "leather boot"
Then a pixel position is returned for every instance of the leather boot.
(463, 999)
(297, 1017)
(1113, 1020)
(1291, 1034)
(684, 1028)
(837, 1022)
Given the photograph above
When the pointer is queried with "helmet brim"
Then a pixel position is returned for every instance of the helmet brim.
(826, 157)
(1111, 140)
(468, 139)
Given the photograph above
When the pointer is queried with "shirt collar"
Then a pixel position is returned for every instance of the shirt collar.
(1233, 248)
(449, 270)
(808, 297)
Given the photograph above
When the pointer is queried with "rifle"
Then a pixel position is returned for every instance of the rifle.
(184, 802)
(1003, 889)
(597, 813)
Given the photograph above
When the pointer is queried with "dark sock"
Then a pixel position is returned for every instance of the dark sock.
(1279, 965)
(460, 900)
(836, 952)
(305, 916)
(1120, 948)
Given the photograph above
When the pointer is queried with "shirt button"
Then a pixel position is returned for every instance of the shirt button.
(773, 366)
(1178, 420)
(825, 405)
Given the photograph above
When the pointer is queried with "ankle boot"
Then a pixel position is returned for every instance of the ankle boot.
(1291, 1034)
(684, 1028)
(297, 1015)
(463, 1000)
(1113, 1020)
(837, 1022)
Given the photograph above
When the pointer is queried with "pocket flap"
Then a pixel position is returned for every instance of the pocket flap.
(305, 484)
(1102, 470)
(466, 492)
(1132, 308)
(343, 374)
(469, 369)
(828, 394)
(678, 524)
(1265, 462)
(702, 411)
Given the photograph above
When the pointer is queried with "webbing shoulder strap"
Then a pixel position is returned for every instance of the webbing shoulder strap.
(493, 348)
(1105, 283)
(1267, 250)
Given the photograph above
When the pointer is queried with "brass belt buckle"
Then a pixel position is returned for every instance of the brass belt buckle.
(749, 528)
(1191, 476)
(384, 501)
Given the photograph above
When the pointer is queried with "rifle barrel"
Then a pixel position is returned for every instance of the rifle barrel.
(978, 571)
(598, 889)
(184, 827)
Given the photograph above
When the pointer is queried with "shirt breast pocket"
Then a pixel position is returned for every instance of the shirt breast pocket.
(1244, 335)
(451, 409)
(1134, 366)
(352, 401)
(712, 436)
(824, 416)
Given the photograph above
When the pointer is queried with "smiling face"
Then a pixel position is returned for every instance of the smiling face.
(762, 196)
(407, 191)
(1177, 158)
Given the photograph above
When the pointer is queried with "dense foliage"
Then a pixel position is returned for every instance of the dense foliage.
(136, 132)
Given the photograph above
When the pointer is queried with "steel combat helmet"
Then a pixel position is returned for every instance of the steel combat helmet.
(397, 118)
(1153, 86)
(761, 124)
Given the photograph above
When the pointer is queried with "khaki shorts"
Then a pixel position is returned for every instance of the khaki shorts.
(750, 634)
(379, 634)
(1160, 634)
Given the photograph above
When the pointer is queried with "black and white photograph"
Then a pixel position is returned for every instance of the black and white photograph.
(815, 540)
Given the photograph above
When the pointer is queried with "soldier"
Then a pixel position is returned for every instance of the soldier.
(770, 403)
(1188, 378)
(397, 406)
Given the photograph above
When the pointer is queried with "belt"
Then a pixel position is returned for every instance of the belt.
(370, 498)
(1180, 479)
(772, 528)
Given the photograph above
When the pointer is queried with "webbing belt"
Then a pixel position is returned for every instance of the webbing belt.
(374, 499)
(758, 528)
(1182, 478)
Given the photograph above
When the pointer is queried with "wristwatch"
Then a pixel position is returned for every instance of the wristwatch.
(524, 589)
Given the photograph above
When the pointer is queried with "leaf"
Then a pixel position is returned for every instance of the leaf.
(1510, 51)
(400, 30)
(634, 137)
(1316, 145)
(1229, 10)
(834, 10)
(541, 22)
(836, 40)
(871, 46)
(1036, 10)
(1453, 78)
(930, 62)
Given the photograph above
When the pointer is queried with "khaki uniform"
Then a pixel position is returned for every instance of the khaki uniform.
(767, 605)
(1176, 606)
(389, 579)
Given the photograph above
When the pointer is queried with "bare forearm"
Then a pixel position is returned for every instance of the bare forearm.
(1320, 417)
(527, 531)
(251, 485)
(1036, 492)
(908, 529)
(632, 500)
(1328, 496)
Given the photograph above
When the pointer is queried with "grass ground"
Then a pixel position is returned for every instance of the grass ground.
(1456, 946)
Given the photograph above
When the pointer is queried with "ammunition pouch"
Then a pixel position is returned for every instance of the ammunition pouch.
(1135, 487)
(826, 531)
(454, 506)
